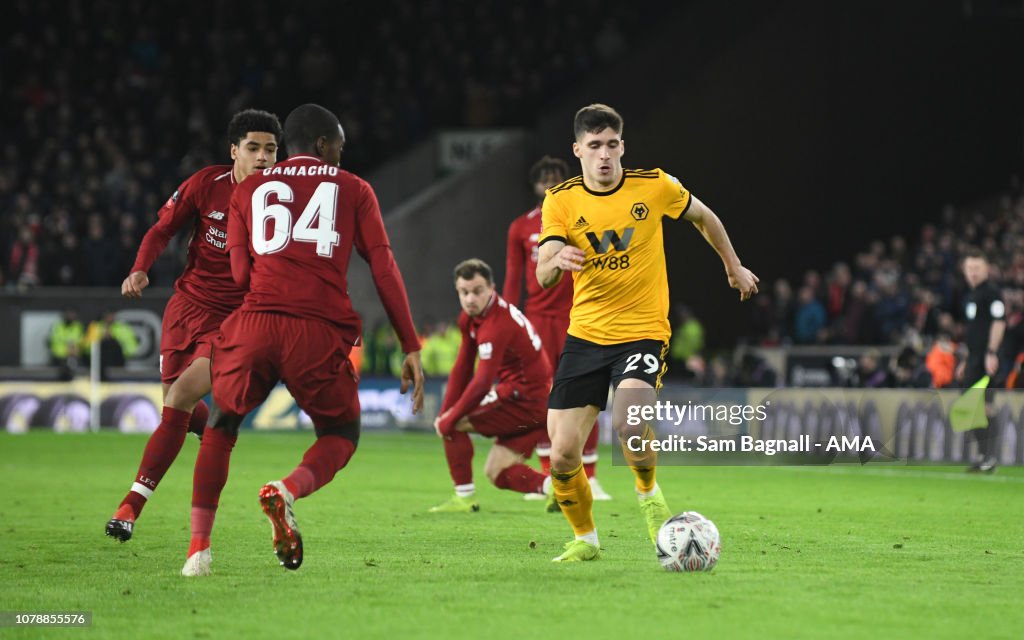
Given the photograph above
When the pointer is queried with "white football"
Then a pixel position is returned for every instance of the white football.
(688, 542)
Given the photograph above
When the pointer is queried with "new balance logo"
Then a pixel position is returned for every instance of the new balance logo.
(610, 238)
(216, 215)
(582, 222)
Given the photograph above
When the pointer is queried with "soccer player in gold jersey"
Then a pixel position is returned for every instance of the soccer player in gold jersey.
(604, 227)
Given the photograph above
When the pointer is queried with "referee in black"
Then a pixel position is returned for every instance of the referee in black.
(986, 323)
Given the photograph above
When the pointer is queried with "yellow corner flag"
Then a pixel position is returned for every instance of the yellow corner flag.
(968, 411)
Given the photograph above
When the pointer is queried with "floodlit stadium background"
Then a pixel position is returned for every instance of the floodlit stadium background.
(883, 138)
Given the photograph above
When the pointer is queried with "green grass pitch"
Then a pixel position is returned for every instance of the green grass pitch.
(836, 552)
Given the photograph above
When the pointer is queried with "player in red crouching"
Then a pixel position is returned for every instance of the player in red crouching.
(291, 231)
(513, 411)
(547, 309)
(204, 296)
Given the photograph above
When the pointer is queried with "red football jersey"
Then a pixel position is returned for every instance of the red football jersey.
(509, 352)
(300, 220)
(202, 200)
(521, 261)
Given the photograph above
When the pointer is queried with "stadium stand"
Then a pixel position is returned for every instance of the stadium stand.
(94, 144)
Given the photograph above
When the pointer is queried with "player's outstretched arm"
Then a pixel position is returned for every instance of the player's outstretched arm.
(555, 257)
(134, 284)
(711, 227)
(178, 210)
(412, 373)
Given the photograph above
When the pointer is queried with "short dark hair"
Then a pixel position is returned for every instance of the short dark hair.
(546, 165)
(249, 120)
(306, 124)
(975, 252)
(469, 269)
(595, 118)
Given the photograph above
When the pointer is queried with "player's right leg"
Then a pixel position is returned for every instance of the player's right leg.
(185, 371)
(208, 480)
(568, 429)
(578, 393)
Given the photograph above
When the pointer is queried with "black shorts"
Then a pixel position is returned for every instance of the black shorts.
(585, 369)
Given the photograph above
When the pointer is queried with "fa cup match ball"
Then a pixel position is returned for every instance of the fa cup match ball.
(688, 542)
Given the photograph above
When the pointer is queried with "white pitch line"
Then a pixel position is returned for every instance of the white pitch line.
(869, 471)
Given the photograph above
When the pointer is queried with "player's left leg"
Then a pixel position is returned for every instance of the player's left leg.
(517, 420)
(324, 383)
(243, 374)
(643, 463)
(458, 452)
(334, 447)
(636, 377)
(506, 466)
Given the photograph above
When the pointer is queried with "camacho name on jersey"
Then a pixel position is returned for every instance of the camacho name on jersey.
(621, 294)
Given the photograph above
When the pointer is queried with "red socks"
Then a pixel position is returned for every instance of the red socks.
(200, 415)
(458, 449)
(161, 450)
(521, 478)
(208, 480)
(328, 455)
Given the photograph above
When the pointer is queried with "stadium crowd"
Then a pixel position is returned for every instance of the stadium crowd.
(908, 294)
(94, 144)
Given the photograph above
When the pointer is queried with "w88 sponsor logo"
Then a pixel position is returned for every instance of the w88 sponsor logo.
(612, 263)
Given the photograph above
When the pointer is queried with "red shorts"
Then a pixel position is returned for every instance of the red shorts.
(552, 331)
(188, 333)
(516, 424)
(256, 349)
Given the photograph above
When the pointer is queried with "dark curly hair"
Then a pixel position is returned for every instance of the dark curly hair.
(253, 120)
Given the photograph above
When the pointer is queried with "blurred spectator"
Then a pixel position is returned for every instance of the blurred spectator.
(910, 372)
(762, 329)
(754, 371)
(851, 326)
(101, 267)
(870, 372)
(381, 346)
(116, 340)
(941, 360)
(23, 264)
(784, 308)
(687, 336)
(810, 317)
(65, 341)
(441, 349)
(924, 315)
(838, 289)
